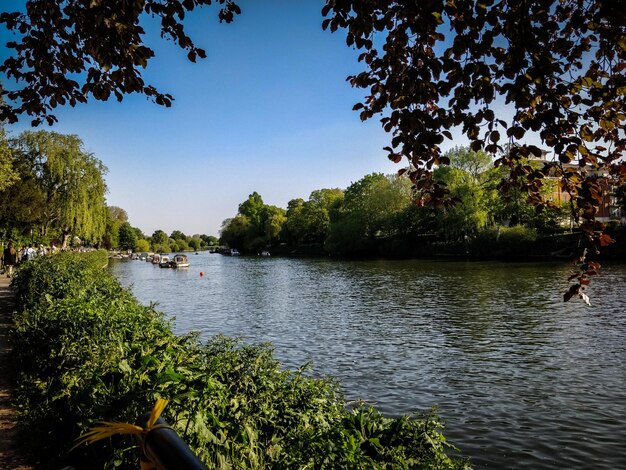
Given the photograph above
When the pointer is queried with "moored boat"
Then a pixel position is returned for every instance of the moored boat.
(165, 261)
(179, 261)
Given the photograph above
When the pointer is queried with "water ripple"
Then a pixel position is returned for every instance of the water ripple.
(522, 379)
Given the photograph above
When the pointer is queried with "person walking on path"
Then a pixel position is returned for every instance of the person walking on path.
(9, 255)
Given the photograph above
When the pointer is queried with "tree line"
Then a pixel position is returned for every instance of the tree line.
(121, 235)
(54, 192)
(381, 207)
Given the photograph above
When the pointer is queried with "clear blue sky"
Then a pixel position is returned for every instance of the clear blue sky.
(269, 110)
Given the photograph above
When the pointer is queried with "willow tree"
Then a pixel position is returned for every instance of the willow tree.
(8, 174)
(72, 181)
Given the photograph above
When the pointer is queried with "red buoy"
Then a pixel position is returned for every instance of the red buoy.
(201, 273)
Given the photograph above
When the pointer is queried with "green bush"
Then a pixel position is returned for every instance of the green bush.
(504, 241)
(87, 351)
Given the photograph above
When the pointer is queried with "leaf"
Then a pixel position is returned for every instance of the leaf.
(606, 240)
(395, 157)
(517, 132)
(573, 290)
(124, 367)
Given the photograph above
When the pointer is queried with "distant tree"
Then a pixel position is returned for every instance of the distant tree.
(195, 244)
(470, 214)
(472, 181)
(159, 237)
(371, 209)
(127, 237)
(309, 222)
(178, 235)
(138, 233)
(142, 246)
(235, 231)
(293, 229)
(256, 226)
(110, 239)
(209, 240)
(118, 214)
(274, 220)
(162, 247)
(179, 245)
(24, 202)
(474, 163)
(375, 199)
(253, 208)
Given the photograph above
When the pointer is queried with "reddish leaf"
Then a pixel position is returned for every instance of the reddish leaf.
(606, 240)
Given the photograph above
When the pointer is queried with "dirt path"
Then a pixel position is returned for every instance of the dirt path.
(9, 458)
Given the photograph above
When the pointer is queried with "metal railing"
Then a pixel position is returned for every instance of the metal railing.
(164, 448)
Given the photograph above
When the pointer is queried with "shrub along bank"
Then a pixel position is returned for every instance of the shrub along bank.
(86, 351)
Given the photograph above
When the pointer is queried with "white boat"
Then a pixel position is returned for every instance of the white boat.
(156, 259)
(165, 261)
(179, 261)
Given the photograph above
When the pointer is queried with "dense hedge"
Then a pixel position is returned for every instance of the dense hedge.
(86, 351)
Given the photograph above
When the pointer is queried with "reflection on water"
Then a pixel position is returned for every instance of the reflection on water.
(521, 378)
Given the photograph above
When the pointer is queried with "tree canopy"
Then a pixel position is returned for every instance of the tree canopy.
(557, 67)
(60, 190)
(66, 51)
(432, 67)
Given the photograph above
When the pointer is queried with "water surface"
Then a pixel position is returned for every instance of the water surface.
(521, 379)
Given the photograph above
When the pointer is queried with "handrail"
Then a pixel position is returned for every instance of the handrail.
(164, 448)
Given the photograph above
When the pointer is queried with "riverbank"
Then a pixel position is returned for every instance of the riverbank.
(10, 458)
(90, 351)
(505, 244)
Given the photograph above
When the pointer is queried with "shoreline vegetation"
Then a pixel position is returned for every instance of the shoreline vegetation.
(85, 350)
(503, 243)
(507, 244)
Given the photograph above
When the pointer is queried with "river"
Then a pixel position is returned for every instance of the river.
(521, 379)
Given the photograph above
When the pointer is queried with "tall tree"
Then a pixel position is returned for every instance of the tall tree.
(370, 209)
(8, 174)
(235, 231)
(116, 216)
(159, 237)
(309, 222)
(253, 208)
(127, 237)
(71, 182)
